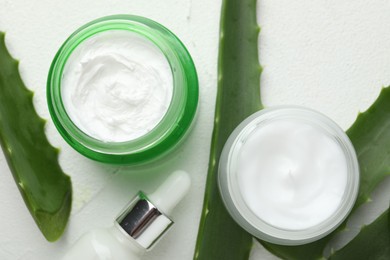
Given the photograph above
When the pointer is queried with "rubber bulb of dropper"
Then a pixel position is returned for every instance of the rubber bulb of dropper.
(169, 194)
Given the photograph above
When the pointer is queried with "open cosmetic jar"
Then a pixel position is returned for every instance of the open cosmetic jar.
(123, 89)
(288, 175)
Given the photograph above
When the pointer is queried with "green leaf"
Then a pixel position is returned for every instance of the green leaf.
(370, 135)
(373, 242)
(238, 97)
(45, 189)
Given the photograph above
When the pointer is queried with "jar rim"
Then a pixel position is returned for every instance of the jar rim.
(171, 128)
(235, 203)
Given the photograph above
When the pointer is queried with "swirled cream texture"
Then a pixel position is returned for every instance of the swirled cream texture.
(116, 86)
(292, 174)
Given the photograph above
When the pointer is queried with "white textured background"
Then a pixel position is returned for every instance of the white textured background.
(330, 55)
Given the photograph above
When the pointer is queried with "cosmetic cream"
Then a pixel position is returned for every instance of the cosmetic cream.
(288, 175)
(138, 227)
(123, 89)
(116, 86)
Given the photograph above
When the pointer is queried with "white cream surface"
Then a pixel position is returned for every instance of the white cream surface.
(292, 175)
(117, 86)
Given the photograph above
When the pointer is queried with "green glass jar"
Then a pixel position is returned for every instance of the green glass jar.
(174, 125)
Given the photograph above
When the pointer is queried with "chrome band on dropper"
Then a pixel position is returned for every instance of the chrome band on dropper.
(143, 221)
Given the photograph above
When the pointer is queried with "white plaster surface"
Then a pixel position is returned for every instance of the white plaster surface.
(330, 55)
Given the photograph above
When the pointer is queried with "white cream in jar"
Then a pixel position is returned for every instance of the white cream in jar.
(288, 175)
(292, 175)
(116, 86)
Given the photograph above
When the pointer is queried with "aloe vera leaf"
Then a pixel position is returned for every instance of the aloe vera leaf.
(370, 136)
(238, 96)
(33, 162)
(373, 242)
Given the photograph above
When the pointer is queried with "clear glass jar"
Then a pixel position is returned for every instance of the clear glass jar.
(234, 201)
(176, 121)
